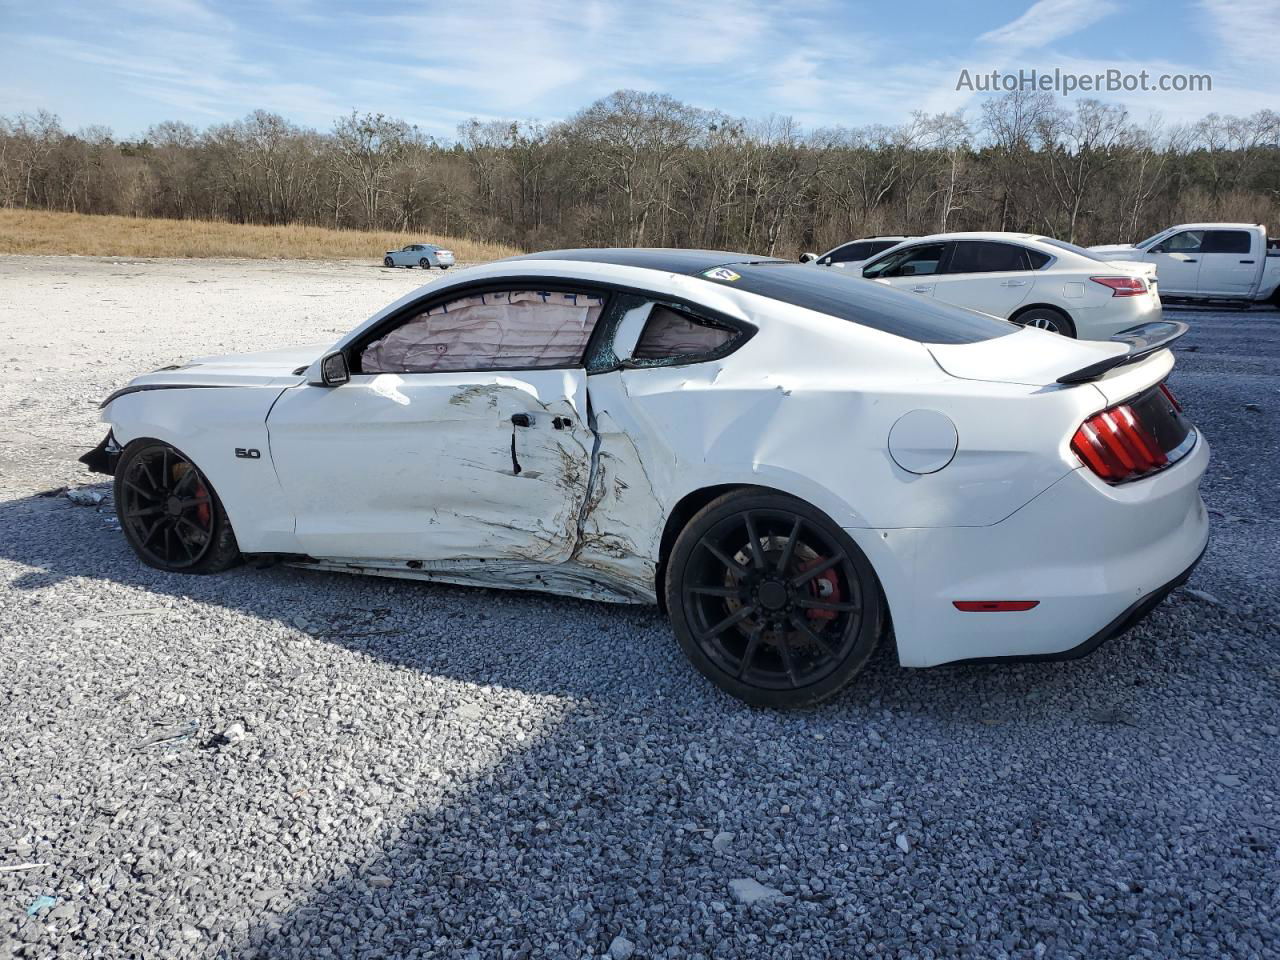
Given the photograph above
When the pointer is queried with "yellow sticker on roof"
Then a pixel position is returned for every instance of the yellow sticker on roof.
(721, 273)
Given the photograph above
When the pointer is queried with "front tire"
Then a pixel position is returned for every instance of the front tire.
(388, 262)
(170, 513)
(771, 601)
(424, 263)
(1047, 318)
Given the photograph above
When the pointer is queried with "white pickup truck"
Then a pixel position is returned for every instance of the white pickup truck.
(1209, 261)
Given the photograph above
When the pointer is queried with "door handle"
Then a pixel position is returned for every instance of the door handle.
(522, 419)
(922, 288)
(1190, 260)
(1246, 261)
(1013, 283)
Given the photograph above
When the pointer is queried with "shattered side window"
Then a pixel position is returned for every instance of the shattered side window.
(506, 330)
(669, 334)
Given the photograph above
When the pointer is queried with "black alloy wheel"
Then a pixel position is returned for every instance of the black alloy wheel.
(170, 514)
(771, 600)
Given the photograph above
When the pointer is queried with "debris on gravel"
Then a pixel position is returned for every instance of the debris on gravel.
(431, 771)
(750, 892)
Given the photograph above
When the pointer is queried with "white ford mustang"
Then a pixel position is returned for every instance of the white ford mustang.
(792, 462)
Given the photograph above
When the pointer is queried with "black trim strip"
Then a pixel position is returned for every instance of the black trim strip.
(1144, 340)
(144, 387)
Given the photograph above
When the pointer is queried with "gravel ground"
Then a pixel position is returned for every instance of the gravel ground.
(284, 763)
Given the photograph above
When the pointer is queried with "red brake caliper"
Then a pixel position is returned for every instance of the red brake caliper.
(826, 587)
(202, 511)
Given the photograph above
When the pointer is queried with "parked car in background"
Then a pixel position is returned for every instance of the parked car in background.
(853, 254)
(1209, 261)
(424, 255)
(1032, 280)
(786, 459)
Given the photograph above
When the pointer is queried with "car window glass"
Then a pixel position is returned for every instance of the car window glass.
(910, 262)
(507, 330)
(1188, 241)
(1037, 259)
(981, 256)
(851, 251)
(670, 334)
(1226, 241)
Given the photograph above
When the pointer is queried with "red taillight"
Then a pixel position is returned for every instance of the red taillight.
(1123, 286)
(1164, 388)
(1117, 446)
(994, 606)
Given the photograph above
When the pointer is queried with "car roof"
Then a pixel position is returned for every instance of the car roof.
(688, 262)
(1219, 225)
(864, 302)
(995, 235)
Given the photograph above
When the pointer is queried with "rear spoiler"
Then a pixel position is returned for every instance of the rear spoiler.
(1143, 340)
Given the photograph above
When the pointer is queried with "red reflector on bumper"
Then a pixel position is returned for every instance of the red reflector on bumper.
(994, 606)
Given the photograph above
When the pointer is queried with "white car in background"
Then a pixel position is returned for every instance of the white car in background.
(1209, 261)
(424, 255)
(1032, 280)
(788, 460)
(853, 254)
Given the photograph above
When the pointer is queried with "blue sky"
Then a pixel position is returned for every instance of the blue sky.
(130, 63)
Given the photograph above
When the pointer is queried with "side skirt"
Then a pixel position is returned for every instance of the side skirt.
(565, 579)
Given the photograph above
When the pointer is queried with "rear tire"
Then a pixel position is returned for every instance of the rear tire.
(771, 601)
(424, 263)
(1047, 318)
(170, 513)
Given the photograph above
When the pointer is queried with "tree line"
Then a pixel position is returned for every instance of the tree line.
(638, 168)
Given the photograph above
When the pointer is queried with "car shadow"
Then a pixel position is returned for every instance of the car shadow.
(541, 854)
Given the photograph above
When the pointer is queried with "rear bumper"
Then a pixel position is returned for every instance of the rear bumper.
(1116, 314)
(1127, 620)
(1096, 558)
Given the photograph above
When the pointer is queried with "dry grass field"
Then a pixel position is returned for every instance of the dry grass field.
(48, 233)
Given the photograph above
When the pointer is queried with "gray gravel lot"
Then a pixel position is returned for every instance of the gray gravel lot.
(284, 763)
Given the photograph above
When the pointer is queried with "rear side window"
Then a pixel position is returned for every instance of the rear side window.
(504, 330)
(1226, 241)
(982, 256)
(675, 336)
(849, 297)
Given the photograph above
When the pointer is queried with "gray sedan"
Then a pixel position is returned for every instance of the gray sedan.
(424, 255)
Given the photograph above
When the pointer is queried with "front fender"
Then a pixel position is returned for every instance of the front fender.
(209, 426)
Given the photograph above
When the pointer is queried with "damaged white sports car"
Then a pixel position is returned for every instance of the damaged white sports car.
(791, 462)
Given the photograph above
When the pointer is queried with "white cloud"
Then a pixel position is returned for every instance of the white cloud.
(1246, 29)
(1045, 22)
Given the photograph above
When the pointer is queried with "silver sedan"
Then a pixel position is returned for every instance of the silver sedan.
(424, 255)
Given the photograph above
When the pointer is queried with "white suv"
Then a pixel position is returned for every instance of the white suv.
(1034, 281)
